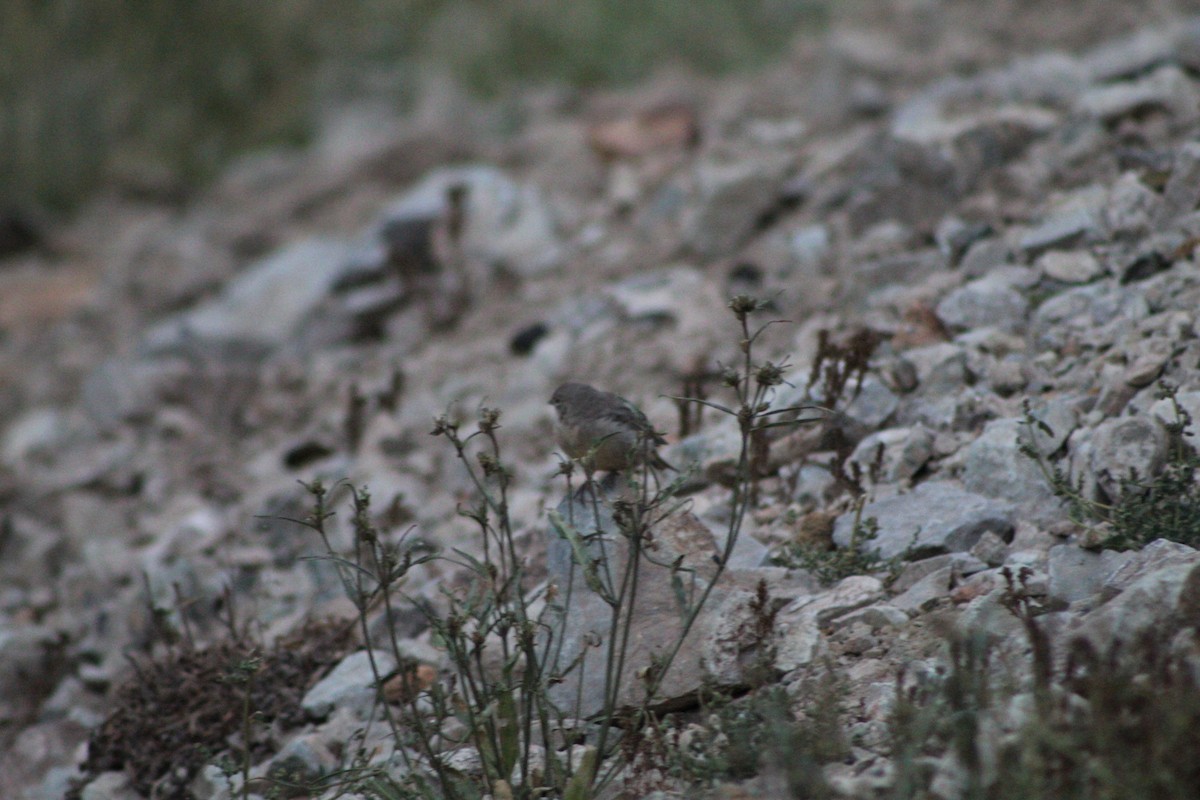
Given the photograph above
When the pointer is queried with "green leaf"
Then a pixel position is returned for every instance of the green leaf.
(509, 730)
(580, 552)
(475, 564)
(579, 787)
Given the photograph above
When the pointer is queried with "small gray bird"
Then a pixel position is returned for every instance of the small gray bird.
(607, 426)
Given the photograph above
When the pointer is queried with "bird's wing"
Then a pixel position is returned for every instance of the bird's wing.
(625, 413)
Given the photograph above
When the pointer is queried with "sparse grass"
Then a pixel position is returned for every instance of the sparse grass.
(1108, 724)
(767, 730)
(168, 92)
(594, 43)
(165, 91)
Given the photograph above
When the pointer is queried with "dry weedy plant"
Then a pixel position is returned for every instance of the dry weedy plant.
(498, 698)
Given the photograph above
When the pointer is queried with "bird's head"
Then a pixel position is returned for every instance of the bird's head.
(567, 394)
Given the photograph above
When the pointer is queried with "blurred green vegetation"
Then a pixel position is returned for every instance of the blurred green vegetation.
(173, 88)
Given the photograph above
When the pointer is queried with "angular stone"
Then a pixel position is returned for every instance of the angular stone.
(995, 467)
(905, 268)
(713, 451)
(991, 550)
(661, 295)
(121, 389)
(986, 614)
(875, 617)
(1099, 311)
(936, 517)
(1075, 573)
(915, 571)
(213, 783)
(986, 302)
(303, 760)
(905, 452)
(351, 683)
(24, 650)
(798, 643)
(265, 305)
(925, 592)
(1146, 360)
(510, 227)
(954, 236)
(941, 368)
(34, 430)
(1169, 594)
(1187, 46)
(1133, 208)
(873, 405)
(731, 199)
(1080, 224)
(1007, 375)
(810, 246)
(984, 256)
(1154, 556)
(673, 574)
(1168, 89)
(798, 625)
(1145, 258)
(1055, 420)
(1070, 266)
(814, 485)
(1129, 55)
(38, 756)
(1051, 78)
(1164, 411)
(1182, 192)
(109, 786)
(1121, 445)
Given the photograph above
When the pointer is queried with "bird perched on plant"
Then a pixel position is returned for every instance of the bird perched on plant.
(606, 427)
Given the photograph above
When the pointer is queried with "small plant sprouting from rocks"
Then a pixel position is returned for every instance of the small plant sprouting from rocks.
(1166, 506)
(830, 565)
(940, 713)
(1020, 602)
(837, 377)
(1162, 506)
(837, 367)
(836, 370)
(242, 674)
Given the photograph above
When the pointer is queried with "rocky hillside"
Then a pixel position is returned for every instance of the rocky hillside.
(979, 232)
